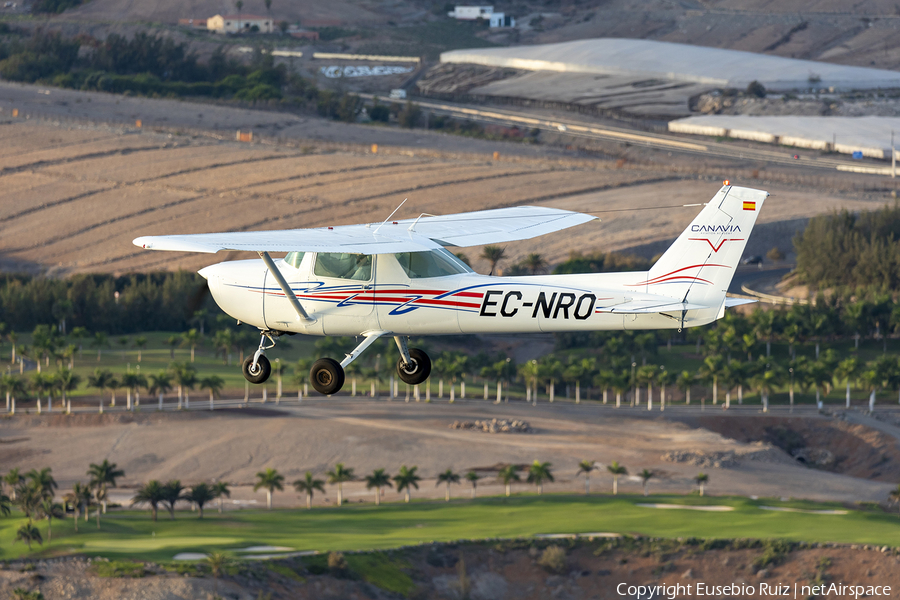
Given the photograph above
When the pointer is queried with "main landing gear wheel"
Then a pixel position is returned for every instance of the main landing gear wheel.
(258, 373)
(327, 376)
(418, 371)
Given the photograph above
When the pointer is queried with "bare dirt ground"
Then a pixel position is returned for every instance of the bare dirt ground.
(233, 445)
(492, 571)
(76, 194)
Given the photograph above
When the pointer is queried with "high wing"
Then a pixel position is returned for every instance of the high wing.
(408, 235)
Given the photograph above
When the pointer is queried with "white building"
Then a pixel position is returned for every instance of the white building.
(501, 20)
(238, 23)
(471, 13)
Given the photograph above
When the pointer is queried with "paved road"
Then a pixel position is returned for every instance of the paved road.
(578, 127)
(749, 274)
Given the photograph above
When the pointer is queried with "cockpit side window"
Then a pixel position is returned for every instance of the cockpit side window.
(344, 266)
(294, 259)
(431, 263)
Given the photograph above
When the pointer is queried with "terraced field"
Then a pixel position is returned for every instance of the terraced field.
(74, 198)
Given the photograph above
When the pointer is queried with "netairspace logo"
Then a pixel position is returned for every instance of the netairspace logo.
(743, 590)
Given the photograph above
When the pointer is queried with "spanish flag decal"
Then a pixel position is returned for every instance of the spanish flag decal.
(749, 205)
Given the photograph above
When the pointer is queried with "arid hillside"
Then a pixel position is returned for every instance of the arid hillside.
(75, 197)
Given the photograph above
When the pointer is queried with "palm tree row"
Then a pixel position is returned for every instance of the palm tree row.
(33, 493)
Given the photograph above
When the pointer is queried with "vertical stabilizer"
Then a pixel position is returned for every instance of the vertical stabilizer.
(698, 267)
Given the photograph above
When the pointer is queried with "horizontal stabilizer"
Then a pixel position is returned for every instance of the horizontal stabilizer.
(732, 302)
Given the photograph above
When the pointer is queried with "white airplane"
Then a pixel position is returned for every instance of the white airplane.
(397, 279)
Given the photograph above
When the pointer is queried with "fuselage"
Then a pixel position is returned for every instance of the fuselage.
(385, 295)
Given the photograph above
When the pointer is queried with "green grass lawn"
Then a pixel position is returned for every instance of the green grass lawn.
(131, 534)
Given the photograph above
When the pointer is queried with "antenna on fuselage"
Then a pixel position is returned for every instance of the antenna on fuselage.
(389, 216)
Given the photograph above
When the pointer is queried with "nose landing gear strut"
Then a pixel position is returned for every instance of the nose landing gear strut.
(257, 368)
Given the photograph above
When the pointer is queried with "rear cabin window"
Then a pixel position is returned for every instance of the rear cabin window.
(294, 259)
(431, 263)
(344, 266)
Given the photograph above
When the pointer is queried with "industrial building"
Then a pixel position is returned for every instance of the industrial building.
(239, 23)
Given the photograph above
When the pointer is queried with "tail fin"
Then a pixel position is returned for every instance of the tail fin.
(698, 267)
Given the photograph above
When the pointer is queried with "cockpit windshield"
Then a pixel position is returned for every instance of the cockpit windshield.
(431, 263)
(344, 266)
(294, 259)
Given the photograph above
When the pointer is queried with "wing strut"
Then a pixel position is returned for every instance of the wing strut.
(288, 292)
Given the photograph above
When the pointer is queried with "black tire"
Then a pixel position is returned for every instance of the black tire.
(420, 369)
(262, 372)
(327, 376)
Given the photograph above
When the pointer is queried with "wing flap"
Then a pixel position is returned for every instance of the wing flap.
(410, 235)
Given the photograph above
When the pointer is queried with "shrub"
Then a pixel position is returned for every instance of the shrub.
(756, 89)
(553, 559)
(380, 112)
(337, 564)
(409, 116)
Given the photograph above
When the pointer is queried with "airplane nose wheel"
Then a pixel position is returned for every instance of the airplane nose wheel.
(327, 376)
(418, 370)
(259, 372)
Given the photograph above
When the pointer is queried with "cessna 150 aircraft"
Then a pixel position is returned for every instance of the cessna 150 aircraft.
(397, 279)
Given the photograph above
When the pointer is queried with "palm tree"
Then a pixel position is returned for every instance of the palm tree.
(132, 381)
(586, 467)
(12, 479)
(220, 489)
(646, 475)
(29, 534)
(214, 384)
(139, 343)
(765, 381)
(29, 498)
(201, 494)
(538, 473)
(377, 480)
(508, 475)
(160, 384)
(407, 479)
(50, 510)
(100, 341)
(710, 372)
(702, 479)
(172, 492)
(43, 481)
(78, 498)
(535, 263)
(223, 340)
(173, 341)
(66, 381)
(103, 380)
(191, 338)
(103, 476)
(473, 477)
(848, 370)
(447, 477)
(185, 377)
(338, 476)
(271, 480)
(308, 485)
(239, 4)
(493, 254)
(616, 469)
(216, 562)
(4, 505)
